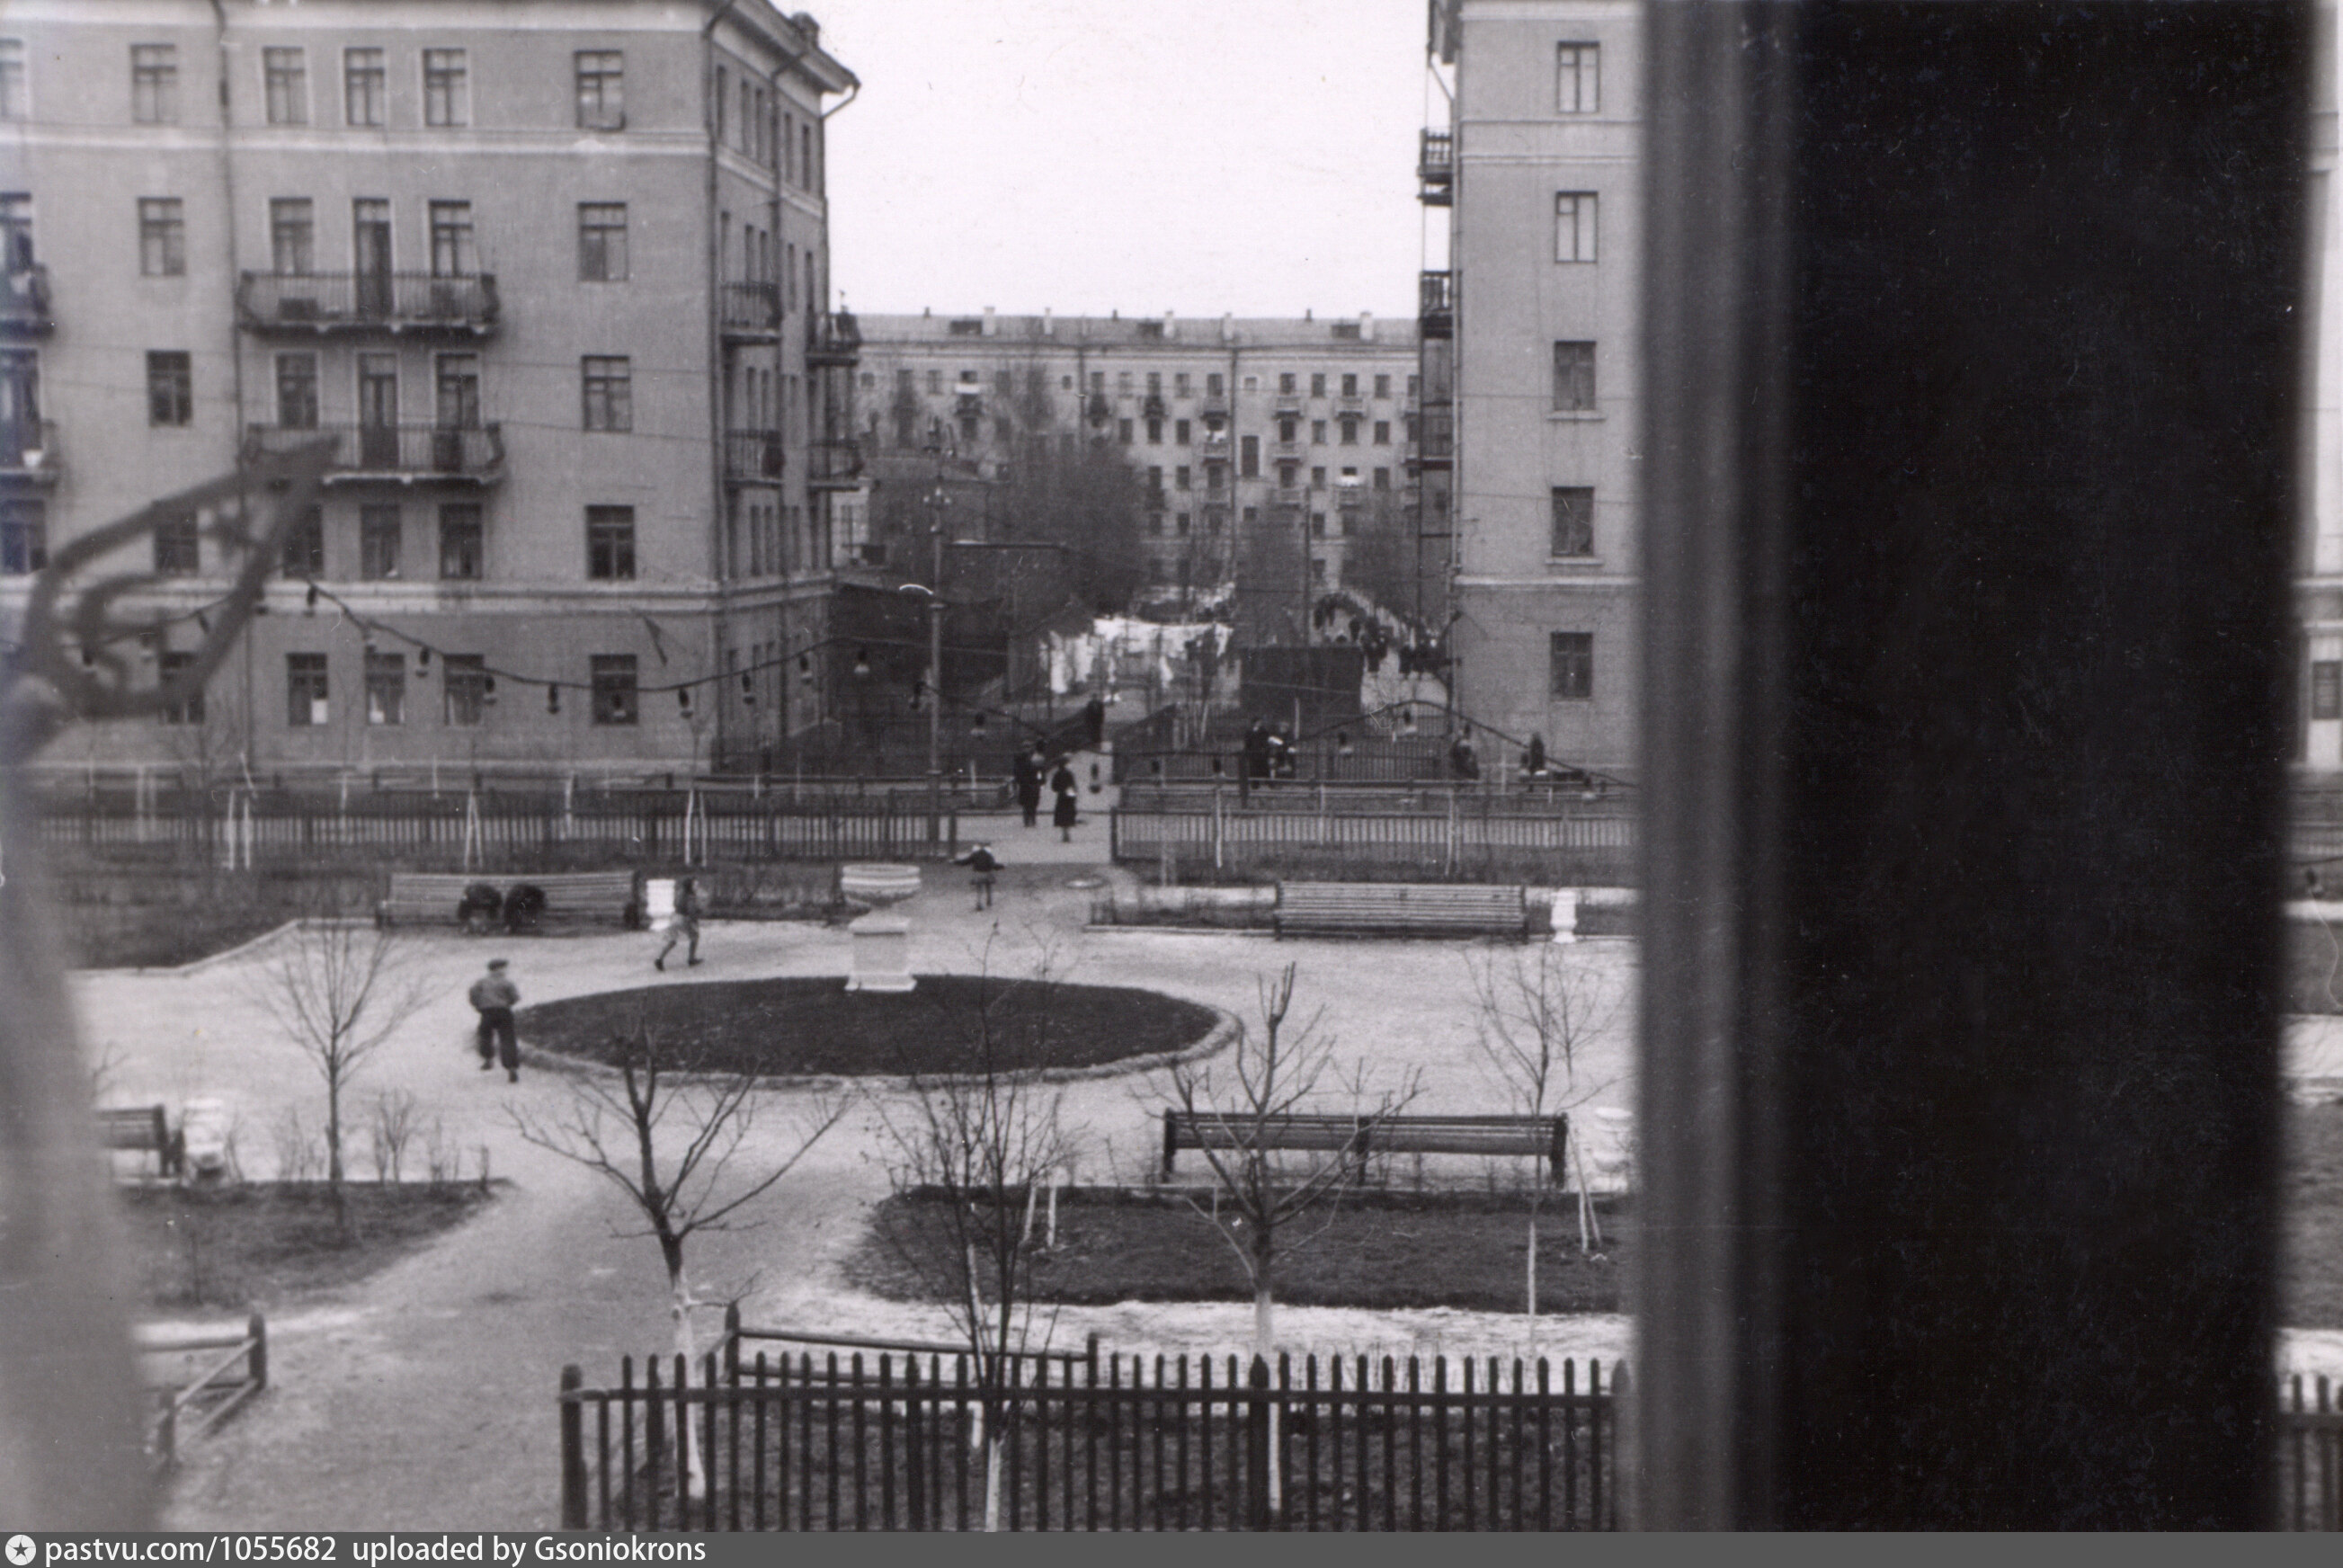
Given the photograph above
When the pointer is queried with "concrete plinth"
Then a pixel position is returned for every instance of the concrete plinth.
(881, 953)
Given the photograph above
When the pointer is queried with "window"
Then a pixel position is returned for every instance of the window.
(1252, 515)
(1573, 521)
(1573, 378)
(297, 391)
(610, 392)
(1180, 524)
(1317, 525)
(1123, 431)
(285, 83)
(365, 85)
(1252, 383)
(602, 242)
(1577, 78)
(1216, 476)
(1383, 478)
(191, 711)
(1180, 432)
(1249, 457)
(304, 546)
(1288, 475)
(386, 688)
(292, 237)
(1350, 429)
(2327, 689)
(446, 88)
(1382, 432)
(1571, 666)
(452, 251)
(1317, 478)
(1155, 480)
(463, 689)
(305, 698)
(154, 83)
(1350, 385)
(460, 541)
(1289, 428)
(1286, 384)
(162, 236)
(1180, 384)
(610, 544)
(1574, 225)
(1155, 524)
(24, 537)
(1383, 386)
(170, 387)
(1180, 477)
(1318, 384)
(1317, 432)
(614, 689)
(1412, 382)
(378, 540)
(455, 379)
(601, 90)
(1155, 432)
(176, 554)
(13, 102)
(935, 383)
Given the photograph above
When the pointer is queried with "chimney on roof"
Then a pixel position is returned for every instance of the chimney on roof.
(1048, 328)
(1228, 326)
(1306, 314)
(927, 310)
(1170, 328)
(809, 27)
(1367, 325)
(991, 327)
(1114, 315)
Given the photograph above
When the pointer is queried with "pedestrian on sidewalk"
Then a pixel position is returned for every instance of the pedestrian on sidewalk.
(685, 923)
(1027, 771)
(1064, 784)
(982, 862)
(493, 996)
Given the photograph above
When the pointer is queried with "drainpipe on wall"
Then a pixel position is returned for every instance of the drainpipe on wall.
(713, 247)
(234, 335)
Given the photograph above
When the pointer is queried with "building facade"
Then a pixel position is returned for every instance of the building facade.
(1539, 173)
(1269, 447)
(552, 277)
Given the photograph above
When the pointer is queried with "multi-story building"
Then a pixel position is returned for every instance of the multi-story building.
(552, 277)
(1269, 448)
(1540, 172)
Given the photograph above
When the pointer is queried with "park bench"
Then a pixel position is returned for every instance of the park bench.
(1409, 909)
(434, 896)
(143, 1127)
(1545, 1137)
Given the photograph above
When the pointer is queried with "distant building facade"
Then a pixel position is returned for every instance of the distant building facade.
(552, 275)
(1540, 170)
(1248, 432)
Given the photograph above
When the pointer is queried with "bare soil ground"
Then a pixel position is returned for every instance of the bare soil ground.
(261, 1243)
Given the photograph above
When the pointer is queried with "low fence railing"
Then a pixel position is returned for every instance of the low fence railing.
(899, 1443)
(187, 1408)
(1536, 799)
(1450, 843)
(2309, 1456)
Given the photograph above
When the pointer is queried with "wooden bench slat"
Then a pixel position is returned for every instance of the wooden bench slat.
(144, 1127)
(1361, 908)
(1546, 1137)
(434, 895)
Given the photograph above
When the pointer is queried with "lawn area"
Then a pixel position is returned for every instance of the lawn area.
(811, 1026)
(255, 1243)
(2312, 1196)
(1382, 1251)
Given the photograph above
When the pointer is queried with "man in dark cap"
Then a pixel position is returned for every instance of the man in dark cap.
(493, 996)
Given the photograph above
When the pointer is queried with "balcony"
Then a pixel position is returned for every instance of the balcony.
(834, 465)
(1435, 303)
(834, 339)
(28, 451)
(1152, 408)
(1287, 495)
(1215, 406)
(25, 302)
(751, 312)
(1287, 403)
(397, 303)
(753, 457)
(1435, 169)
(1435, 442)
(393, 454)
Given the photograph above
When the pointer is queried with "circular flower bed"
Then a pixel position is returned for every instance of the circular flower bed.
(794, 1028)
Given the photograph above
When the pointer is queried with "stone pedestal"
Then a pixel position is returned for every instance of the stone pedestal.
(882, 954)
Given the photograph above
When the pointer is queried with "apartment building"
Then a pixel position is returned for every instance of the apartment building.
(1539, 174)
(1248, 432)
(552, 277)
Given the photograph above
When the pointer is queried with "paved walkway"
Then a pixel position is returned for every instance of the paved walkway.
(424, 1398)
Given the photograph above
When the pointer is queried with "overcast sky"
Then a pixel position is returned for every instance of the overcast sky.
(1142, 156)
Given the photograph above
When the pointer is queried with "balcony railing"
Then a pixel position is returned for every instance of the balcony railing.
(403, 454)
(369, 302)
(834, 465)
(24, 301)
(1435, 303)
(833, 339)
(1436, 168)
(753, 457)
(28, 451)
(752, 309)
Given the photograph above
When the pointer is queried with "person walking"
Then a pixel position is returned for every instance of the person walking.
(980, 862)
(1094, 721)
(493, 996)
(1063, 785)
(1027, 773)
(685, 924)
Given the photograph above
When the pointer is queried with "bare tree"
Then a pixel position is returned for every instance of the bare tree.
(338, 992)
(1536, 1011)
(615, 1130)
(1261, 1193)
(975, 1143)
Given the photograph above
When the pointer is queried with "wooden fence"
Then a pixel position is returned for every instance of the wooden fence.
(458, 833)
(793, 1444)
(1565, 850)
(188, 1407)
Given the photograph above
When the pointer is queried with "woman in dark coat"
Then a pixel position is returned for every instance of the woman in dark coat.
(1063, 785)
(1028, 775)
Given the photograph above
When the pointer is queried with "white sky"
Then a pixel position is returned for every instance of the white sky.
(1195, 156)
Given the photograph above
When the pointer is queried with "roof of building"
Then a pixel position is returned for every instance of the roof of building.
(1365, 331)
